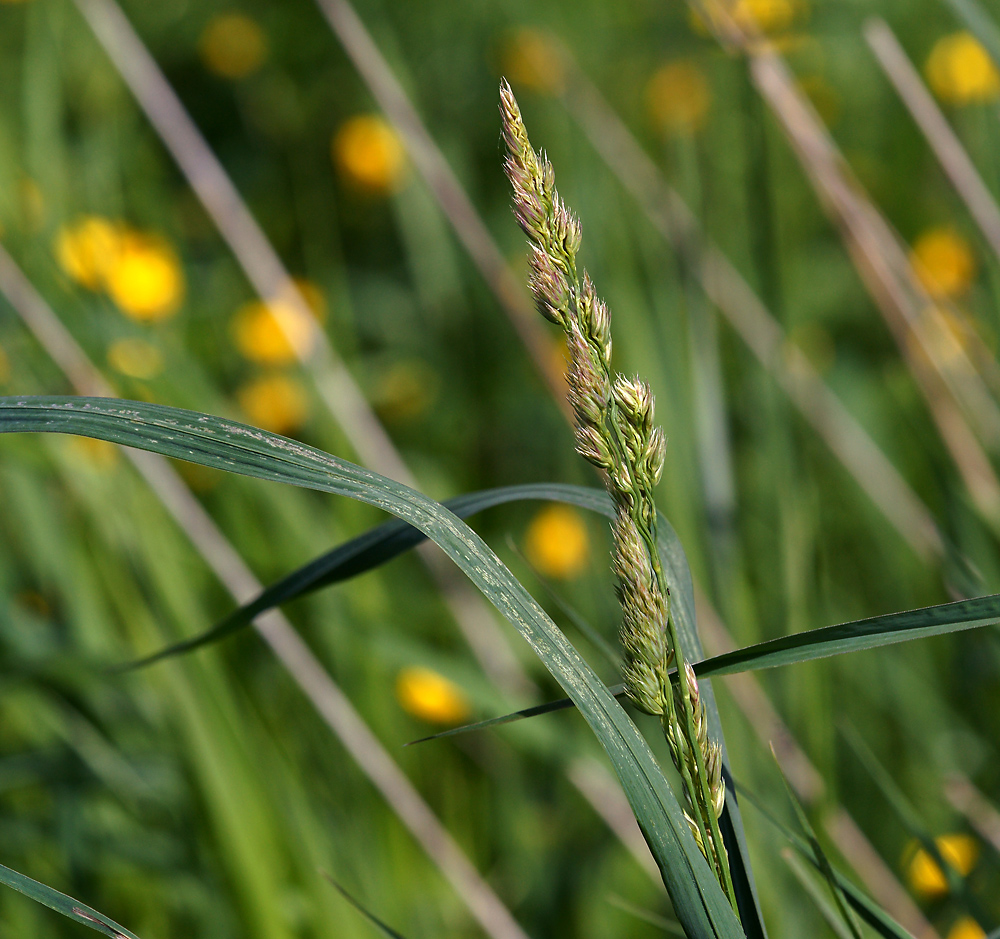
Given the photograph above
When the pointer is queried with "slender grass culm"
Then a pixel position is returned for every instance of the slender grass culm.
(615, 432)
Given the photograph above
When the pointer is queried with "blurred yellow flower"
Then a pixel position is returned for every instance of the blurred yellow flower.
(532, 60)
(87, 248)
(275, 403)
(966, 928)
(677, 97)
(556, 542)
(943, 262)
(145, 279)
(135, 358)
(233, 45)
(430, 696)
(961, 71)
(273, 334)
(369, 154)
(769, 16)
(925, 877)
(406, 390)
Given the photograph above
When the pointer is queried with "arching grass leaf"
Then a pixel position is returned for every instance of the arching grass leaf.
(698, 899)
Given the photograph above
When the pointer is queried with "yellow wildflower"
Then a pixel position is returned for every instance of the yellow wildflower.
(275, 403)
(925, 877)
(943, 262)
(966, 928)
(135, 358)
(369, 154)
(145, 279)
(233, 45)
(86, 249)
(430, 696)
(406, 390)
(556, 542)
(961, 71)
(769, 16)
(677, 97)
(273, 334)
(532, 60)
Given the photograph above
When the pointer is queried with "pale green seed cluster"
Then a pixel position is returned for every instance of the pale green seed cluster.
(615, 431)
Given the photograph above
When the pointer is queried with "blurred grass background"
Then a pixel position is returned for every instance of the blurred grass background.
(203, 796)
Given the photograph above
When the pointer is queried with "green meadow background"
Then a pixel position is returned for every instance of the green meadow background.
(203, 797)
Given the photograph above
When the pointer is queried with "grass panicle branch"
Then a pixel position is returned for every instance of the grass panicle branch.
(615, 430)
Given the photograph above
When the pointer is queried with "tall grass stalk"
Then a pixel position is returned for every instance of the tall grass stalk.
(615, 432)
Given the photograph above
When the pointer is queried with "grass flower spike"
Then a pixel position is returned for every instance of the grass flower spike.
(615, 431)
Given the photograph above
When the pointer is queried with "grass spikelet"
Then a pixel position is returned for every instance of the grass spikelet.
(615, 431)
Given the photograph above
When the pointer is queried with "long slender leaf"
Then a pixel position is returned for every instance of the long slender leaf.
(54, 900)
(866, 908)
(858, 635)
(366, 913)
(698, 899)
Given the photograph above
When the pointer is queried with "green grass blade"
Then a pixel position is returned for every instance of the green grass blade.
(856, 636)
(819, 858)
(369, 551)
(866, 908)
(698, 899)
(548, 708)
(70, 908)
(366, 913)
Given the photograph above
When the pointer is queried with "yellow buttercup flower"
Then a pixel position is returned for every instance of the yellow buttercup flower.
(925, 877)
(532, 60)
(135, 358)
(233, 45)
(556, 542)
(275, 403)
(966, 928)
(430, 696)
(369, 154)
(961, 71)
(943, 262)
(273, 334)
(145, 280)
(678, 97)
(87, 249)
(769, 16)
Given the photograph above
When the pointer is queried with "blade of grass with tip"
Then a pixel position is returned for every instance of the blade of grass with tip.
(70, 908)
(548, 708)
(819, 858)
(366, 913)
(816, 893)
(698, 899)
(866, 908)
(368, 551)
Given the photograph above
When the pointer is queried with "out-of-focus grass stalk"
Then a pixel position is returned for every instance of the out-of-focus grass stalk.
(751, 319)
(884, 268)
(983, 816)
(955, 162)
(272, 281)
(808, 783)
(304, 668)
